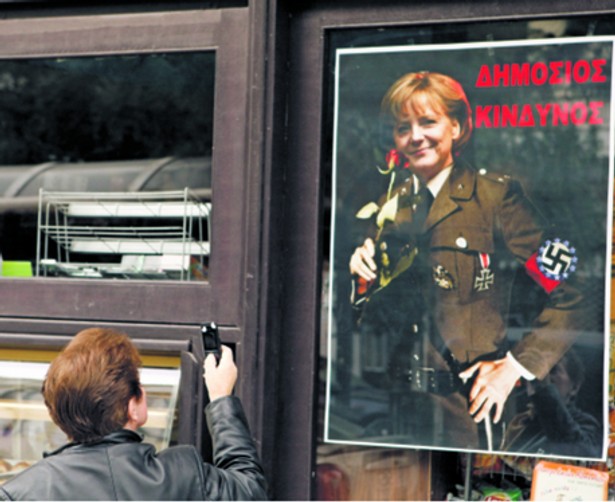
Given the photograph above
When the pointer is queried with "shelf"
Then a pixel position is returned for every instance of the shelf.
(96, 224)
(17, 410)
(11, 409)
(126, 241)
(143, 209)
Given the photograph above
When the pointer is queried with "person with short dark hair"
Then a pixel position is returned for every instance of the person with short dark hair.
(93, 393)
(552, 422)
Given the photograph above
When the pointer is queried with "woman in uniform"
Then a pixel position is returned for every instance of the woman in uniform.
(438, 231)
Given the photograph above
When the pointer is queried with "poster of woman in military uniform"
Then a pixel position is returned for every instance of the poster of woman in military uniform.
(472, 246)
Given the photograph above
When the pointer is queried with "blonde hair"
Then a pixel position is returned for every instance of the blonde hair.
(440, 90)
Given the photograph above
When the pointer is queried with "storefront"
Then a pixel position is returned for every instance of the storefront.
(167, 164)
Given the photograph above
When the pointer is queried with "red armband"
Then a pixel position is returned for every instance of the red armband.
(552, 264)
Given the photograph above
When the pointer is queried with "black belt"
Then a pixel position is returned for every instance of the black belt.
(427, 379)
(432, 380)
(443, 382)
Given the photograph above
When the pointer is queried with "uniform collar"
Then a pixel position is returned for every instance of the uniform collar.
(462, 181)
(460, 186)
(436, 183)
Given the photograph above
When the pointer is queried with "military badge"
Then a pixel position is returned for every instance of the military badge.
(485, 278)
(442, 278)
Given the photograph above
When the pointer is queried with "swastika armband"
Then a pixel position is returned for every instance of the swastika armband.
(552, 264)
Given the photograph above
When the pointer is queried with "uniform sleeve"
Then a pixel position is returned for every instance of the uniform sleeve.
(556, 327)
(236, 473)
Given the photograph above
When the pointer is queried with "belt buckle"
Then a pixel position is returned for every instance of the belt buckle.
(421, 379)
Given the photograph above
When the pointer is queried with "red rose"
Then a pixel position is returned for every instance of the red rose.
(363, 285)
(393, 159)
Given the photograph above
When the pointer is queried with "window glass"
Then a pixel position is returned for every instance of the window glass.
(28, 431)
(121, 124)
(362, 407)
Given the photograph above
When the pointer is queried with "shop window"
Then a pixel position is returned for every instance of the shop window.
(27, 429)
(137, 126)
(370, 428)
(124, 140)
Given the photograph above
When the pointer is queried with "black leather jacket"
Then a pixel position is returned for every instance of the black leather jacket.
(121, 467)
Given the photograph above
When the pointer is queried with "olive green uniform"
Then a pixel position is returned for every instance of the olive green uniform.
(476, 214)
(475, 217)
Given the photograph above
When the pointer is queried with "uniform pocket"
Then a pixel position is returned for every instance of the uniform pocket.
(455, 252)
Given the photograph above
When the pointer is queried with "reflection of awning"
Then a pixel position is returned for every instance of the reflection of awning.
(168, 173)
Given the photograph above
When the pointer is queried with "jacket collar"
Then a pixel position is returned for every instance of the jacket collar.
(460, 187)
(462, 182)
(117, 437)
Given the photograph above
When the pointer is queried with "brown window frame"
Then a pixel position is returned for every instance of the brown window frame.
(302, 28)
(219, 299)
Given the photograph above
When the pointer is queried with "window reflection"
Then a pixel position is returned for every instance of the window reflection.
(122, 124)
(26, 429)
(349, 472)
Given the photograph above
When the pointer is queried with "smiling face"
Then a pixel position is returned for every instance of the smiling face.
(425, 134)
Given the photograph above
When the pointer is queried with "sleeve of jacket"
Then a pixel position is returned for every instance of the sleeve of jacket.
(236, 473)
(559, 323)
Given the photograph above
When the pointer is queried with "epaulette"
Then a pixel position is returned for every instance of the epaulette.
(494, 176)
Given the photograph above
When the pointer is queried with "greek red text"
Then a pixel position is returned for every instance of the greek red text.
(539, 115)
(540, 73)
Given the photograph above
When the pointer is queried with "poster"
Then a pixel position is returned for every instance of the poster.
(478, 320)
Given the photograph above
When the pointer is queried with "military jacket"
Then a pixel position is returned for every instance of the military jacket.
(473, 221)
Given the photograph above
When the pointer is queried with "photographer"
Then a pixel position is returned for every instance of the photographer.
(93, 393)
(553, 422)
